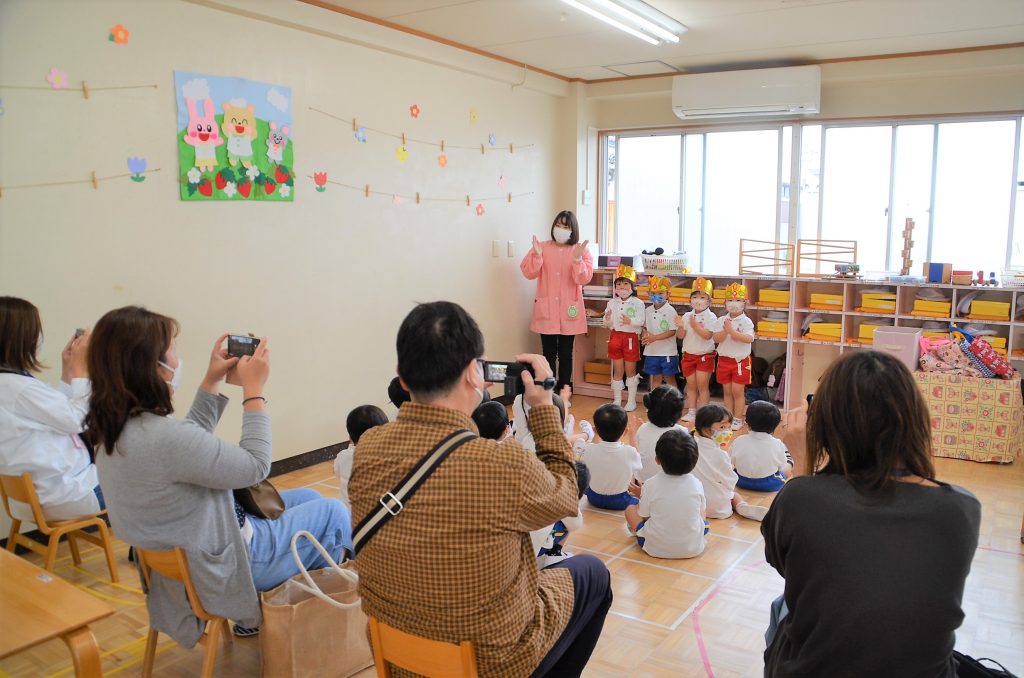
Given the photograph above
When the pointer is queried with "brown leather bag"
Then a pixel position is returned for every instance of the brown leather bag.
(261, 500)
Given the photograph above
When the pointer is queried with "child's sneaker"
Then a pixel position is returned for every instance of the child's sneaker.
(690, 415)
(243, 632)
(752, 511)
(737, 424)
(587, 428)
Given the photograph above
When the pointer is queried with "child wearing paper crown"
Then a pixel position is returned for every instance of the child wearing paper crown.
(734, 334)
(625, 316)
(696, 328)
(658, 338)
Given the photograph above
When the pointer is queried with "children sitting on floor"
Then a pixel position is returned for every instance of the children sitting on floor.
(491, 419)
(521, 428)
(712, 430)
(761, 460)
(548, 542)
(359, 421)
(664, 409)
(612, 464)
(670, 522)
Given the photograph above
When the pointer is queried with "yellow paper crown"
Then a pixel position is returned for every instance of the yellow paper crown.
(658, 285)
(703, 285)
(736, 291)
(626, 272)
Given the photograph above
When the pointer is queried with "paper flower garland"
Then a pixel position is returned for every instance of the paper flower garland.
(501, 181)
(137, 166)
(118, 35)
(479, 209)
(492, 139)
(396, 200)
(57, 78)
(442, 160)
(414, 111)
(361, 135)
(473, 117)
(402, 154)
(320, 179)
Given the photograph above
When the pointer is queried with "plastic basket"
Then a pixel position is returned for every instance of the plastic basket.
(1011, 277)
(674, 264)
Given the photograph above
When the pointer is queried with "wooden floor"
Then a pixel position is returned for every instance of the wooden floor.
(699, 617)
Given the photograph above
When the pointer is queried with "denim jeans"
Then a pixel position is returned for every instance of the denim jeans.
(270, 554)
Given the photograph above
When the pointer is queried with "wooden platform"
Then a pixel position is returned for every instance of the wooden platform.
(699, 617)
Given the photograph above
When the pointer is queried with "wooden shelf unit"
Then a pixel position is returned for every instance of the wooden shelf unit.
(806, 359)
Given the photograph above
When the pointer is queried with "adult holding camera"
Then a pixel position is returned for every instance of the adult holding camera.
(561, 266)
(455, 562)
(873, 548)
(169, 482)
(40, 425)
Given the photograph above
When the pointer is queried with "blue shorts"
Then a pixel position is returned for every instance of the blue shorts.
(558, 534)
(640, 540)
(612, 502)
(661, 364)
(772, 483)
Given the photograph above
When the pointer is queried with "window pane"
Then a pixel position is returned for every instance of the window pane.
(1017, 246)
(912, 188)
(972, 194)
(742, 186)
(608, 241)
(810, 175)
(647, 206)
(856, 192)
(787, 170)
(693, 197)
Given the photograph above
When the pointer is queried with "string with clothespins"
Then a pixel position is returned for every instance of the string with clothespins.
(93, 179)
(367, 190)
(84, 89)
(406, 139)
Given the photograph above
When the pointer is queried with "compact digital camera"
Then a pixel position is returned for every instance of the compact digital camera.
(240, 345)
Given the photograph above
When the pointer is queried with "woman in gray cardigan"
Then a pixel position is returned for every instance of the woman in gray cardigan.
(167, 482)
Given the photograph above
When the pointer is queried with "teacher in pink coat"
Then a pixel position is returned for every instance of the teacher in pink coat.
(561, 266)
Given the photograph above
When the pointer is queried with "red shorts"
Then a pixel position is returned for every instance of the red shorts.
(731, 371)
(624, 345)
(698, 363)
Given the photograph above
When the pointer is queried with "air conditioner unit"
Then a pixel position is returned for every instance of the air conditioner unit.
(734, 94)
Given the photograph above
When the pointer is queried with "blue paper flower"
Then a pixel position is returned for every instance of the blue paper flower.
(137, 166)
(492, 138)
(361, 135)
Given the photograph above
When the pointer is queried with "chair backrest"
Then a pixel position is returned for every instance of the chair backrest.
(173, 564)
(432, 658)
(20, 488)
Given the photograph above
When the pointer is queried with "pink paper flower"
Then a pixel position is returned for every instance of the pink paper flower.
(479, 209)
(57, 78)
(414, 111)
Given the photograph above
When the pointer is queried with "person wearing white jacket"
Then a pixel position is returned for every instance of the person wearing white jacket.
(40, 425)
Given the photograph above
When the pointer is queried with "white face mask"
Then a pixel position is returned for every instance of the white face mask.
(175, 381)
(699, 305)
(562, 235)
(734, 307)
(624, 294)
(480, 371)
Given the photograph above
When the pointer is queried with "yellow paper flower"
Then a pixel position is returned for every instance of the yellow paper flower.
(402, 154)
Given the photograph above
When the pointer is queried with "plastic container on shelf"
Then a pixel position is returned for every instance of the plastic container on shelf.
(1012, 277)
(674, 264)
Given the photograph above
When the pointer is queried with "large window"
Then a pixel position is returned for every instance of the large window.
(702, 190)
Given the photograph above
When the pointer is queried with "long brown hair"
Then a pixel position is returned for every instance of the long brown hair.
(20, 328)
(124, 349)
(867, 420)
(567, 218)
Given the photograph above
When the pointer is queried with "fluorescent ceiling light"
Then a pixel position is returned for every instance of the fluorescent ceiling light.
(641, 20)
(610, 21)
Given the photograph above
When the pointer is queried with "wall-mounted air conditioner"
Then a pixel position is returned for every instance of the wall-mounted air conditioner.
(733, 94)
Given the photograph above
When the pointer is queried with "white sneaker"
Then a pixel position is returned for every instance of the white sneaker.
(737, 424)
(752, 511)
(585, 427)
(690, 415)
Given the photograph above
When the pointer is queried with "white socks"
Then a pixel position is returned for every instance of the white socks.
(752, 511)
(617, 393)
(631, 384)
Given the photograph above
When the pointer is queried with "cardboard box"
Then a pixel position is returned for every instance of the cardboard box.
(938, 273)
(600, 366)
(614, 260)
(962, 278)
(902, 342)
(592, 378)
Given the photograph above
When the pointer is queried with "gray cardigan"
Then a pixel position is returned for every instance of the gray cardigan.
(168, 483)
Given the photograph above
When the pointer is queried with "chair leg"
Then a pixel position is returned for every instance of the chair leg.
(51, 550)
(212, 640)
(108, 549)
(147, 663)
(12, 537)
(76, 557)
(226, 632)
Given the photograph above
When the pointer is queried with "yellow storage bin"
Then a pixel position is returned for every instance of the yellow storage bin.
(643, 291)
(718, 295)
(996, 342)
(679, 294)
(773, 298)
(871, 301)
(996, 309)
(831, 330)
(935, 333)
(867, 332)
(832, 300)
(926, 306)
(772, 327)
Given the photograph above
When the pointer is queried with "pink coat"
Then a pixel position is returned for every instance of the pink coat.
(558, 304)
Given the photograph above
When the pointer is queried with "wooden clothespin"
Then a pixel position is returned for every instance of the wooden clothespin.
(85, 89)
(442, 145)
(417, 197)
(366, 191)
(95, 182)
(481, 149)
(355, 125)
(403, 138)
(467, 201)
(511, 148)
(510, 197)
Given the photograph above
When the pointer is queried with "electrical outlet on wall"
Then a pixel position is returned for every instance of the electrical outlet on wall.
(495, 248)
(511, 248)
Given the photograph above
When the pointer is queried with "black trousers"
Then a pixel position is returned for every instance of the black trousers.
(558, 347)
(592, 585)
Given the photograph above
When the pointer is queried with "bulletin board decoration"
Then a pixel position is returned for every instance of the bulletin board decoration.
(137, 172)
(360, 129)
(321, 182)
(234, 138)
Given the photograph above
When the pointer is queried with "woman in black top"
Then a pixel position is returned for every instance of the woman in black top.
(873, 549)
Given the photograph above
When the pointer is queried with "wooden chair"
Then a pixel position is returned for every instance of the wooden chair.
(20, 488)
(431, 658)
(173, 564)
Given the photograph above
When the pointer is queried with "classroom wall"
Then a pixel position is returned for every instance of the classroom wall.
(329, 277)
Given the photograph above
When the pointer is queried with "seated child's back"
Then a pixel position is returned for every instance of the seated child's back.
(672, 503)
(359, 421)
(761, 460)
(664, 410)
(612, 464)
(491, 419)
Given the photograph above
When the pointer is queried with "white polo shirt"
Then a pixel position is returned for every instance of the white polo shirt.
(759, 455)
(612, 466)
(647, 437)
(693, 343)
(737, 350)
(674, 508)
(658, 321)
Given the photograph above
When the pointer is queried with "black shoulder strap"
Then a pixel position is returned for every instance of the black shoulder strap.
(407, 487)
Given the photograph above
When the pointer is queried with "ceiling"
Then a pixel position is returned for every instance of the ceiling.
(723, 34)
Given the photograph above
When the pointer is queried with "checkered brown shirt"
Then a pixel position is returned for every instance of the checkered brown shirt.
(457, 563)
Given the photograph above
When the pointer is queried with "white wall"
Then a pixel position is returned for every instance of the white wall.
(329, 277)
